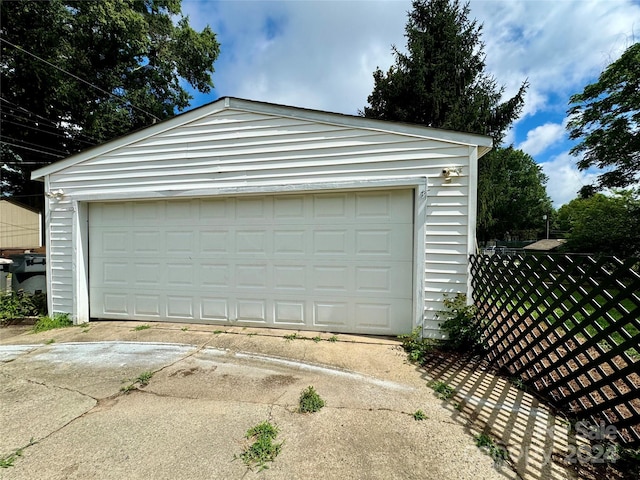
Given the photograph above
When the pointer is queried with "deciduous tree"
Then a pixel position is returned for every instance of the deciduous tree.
(75, 74)
(514, 196)
(605, 117)
(601, 224)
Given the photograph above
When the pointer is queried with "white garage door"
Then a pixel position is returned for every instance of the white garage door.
(329, 261)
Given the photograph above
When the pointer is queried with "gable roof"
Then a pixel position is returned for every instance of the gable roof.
(484, 143)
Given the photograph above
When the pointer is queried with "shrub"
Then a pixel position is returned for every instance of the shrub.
(462, 325)
(17, 305)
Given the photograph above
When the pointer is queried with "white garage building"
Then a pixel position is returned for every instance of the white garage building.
(248, 213)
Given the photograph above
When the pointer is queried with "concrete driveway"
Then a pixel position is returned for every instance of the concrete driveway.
(62, 404)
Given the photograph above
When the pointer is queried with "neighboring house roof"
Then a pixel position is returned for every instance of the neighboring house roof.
(19, 226)
(546, 245)
(484, 143)
(20, 205)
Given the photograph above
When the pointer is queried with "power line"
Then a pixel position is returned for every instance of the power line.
(124, 102)
(31, 149)
(31, 144)
(53, 123)
(37, 129)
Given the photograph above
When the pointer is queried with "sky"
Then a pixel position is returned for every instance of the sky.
(321, 54)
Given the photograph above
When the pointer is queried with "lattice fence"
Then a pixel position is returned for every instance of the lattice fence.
(568, 326)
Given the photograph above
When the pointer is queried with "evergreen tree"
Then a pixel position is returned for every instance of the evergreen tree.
(441, 81)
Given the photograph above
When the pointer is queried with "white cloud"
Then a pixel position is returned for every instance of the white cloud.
(542, 137)
(556, 45)
(322, 54)
(565, 180)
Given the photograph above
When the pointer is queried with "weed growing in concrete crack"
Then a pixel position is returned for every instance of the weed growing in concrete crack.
(317, 338)
(487, 444)
(143, 378)
(6, 462)
(419, 415)
(442, 390)
(184, 329)
(310, 401)
(290, 337)
(332, 339)
(218, 332)
(50, 341)
(141, 381)
(263, 449)
(141, 327)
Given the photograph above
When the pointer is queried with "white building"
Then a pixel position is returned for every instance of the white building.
(248, 213)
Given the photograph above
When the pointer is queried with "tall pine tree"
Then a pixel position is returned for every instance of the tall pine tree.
(441, 81)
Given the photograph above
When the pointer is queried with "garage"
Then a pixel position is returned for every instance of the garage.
(255, 214)
(339, 261)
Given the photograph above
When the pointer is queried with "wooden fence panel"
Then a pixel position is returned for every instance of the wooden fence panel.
(569, 327)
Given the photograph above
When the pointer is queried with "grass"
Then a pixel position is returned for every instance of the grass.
(141, 327)
(263, 449)
(8, 461)
(58, 320)
(442, 390)
(495, 451)
(310, 401)
(141, 380)
(419, 415)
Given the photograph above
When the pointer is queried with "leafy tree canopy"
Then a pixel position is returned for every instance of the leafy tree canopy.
(441, 81)
(605, 117)
(78, 73)
(512, 196)
(600, 224)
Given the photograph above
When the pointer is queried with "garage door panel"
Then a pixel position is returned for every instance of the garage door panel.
(288, 278)
(289, 242)
(215, 242)
(147, 305)
(289, 208)
(147, 242)
(330, 314)
(251, 310)
(252, 241)
(327, 261)
(214, 308)
(289, 313)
